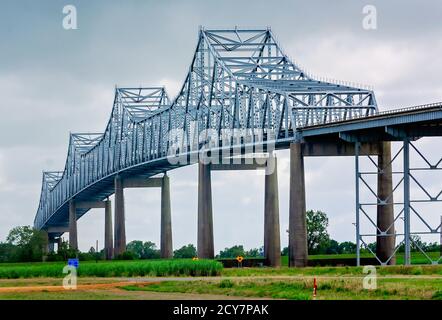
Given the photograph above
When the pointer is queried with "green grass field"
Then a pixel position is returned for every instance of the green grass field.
(393, 282)
(416, 257)
(175, 267)
(302, 289)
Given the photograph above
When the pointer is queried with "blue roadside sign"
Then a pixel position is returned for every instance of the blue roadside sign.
(73, 262)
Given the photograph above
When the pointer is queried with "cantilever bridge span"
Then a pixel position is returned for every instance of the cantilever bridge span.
(239, 80)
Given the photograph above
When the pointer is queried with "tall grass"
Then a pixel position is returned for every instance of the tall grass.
(155, 268)
(416, 257)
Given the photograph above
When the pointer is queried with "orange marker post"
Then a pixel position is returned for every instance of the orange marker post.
(315, 288)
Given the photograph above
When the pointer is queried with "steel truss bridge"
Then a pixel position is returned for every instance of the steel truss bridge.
(239, 79)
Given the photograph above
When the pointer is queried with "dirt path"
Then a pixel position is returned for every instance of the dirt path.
(110, 291)
(103, 283)
(109, 288)
(81, 287)
(151, 295)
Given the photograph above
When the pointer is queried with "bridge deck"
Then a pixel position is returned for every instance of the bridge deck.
(412, 122)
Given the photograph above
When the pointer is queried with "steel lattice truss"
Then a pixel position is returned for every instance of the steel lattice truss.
(238, 79)
(406, 206)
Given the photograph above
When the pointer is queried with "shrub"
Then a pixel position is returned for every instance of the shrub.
(437, 295)
(226, 283)
(127, 255)
(184, 252)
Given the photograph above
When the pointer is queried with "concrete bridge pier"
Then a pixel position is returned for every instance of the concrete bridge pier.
(166, 248)
(298, 253)
(120, 223)
(108, 233)
(59, 241)
(385, 242)
(272, 241)
(53, 236)
(205, 218)
(46, 246)
(73, 238)
(51, 247)
(107, 206)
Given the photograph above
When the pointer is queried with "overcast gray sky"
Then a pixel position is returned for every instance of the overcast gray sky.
(53, 81)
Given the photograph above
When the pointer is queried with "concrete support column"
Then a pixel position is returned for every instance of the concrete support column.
(59, 241)
(46, 245)
(50, 242)
(108, 233)
(205, 217)
(120, 227)
(51, 247)
(272, 241)
(166, 248)
(298, 253)
(73, 240)
(385, 210)
(45, 248)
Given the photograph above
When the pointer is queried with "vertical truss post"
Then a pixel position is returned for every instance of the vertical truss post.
(406, 156)
(358, 245)
(384, 220)
(409, 211)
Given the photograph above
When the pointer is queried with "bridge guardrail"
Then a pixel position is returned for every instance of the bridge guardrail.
(379, 113)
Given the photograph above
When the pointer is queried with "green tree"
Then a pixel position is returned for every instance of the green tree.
(20, 236)
(185, 252)
(347, 247)
(30, 243)
(317, 235)
(64, 252)
(416, 243)
(232, 252)
(253, 253)
(330, 247)
(126, 255)
(371, 247)
(136, 248)
(432, 247)
(140, 250)
(7, 252)
(150, 251)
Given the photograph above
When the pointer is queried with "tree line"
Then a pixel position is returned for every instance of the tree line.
(26, 244)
